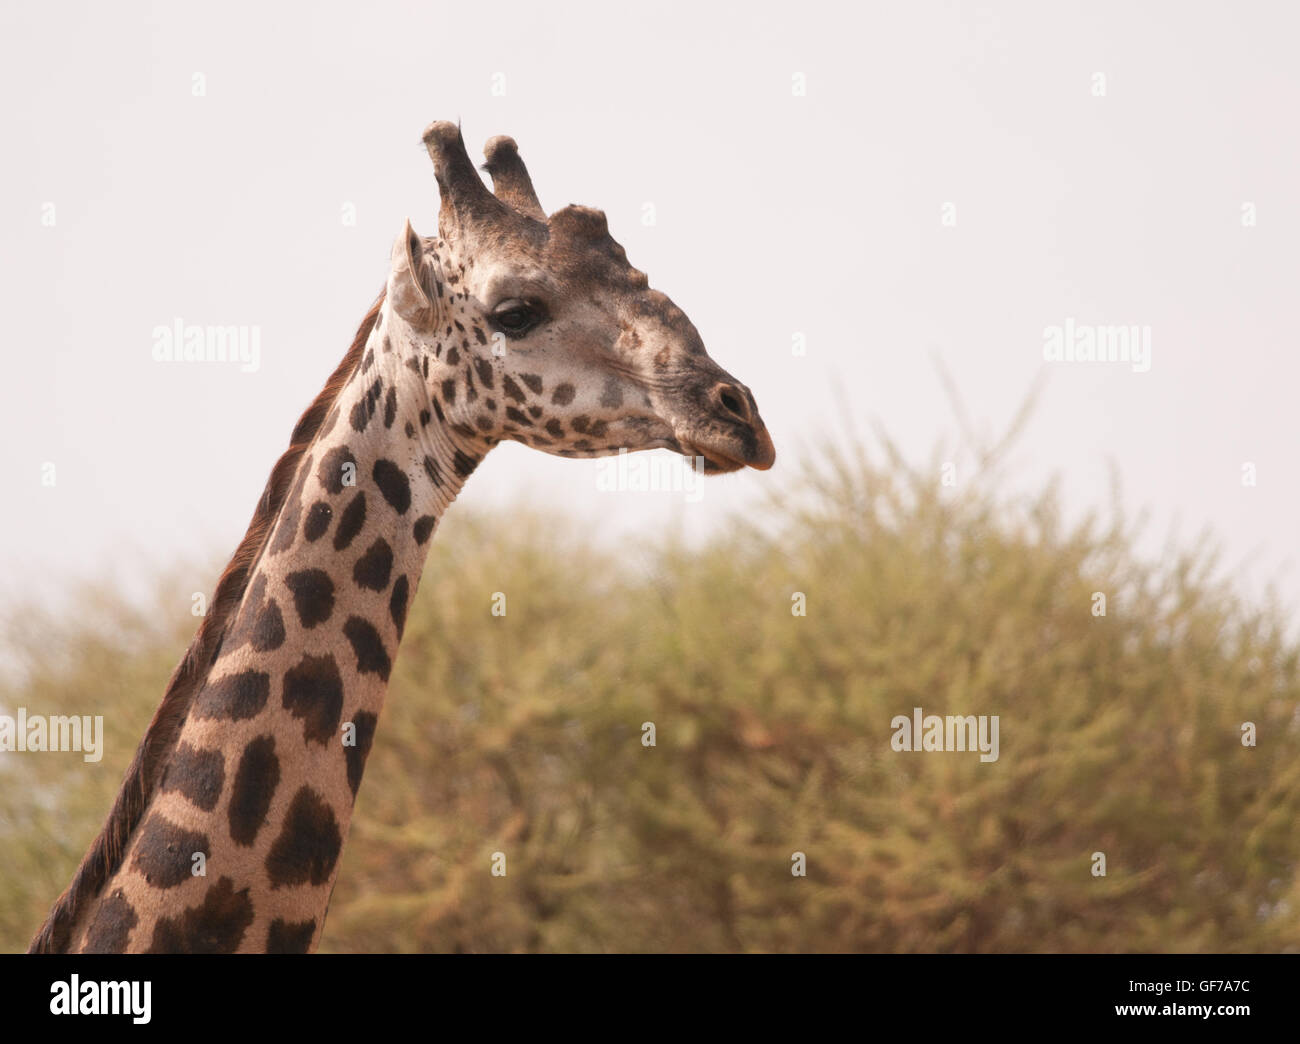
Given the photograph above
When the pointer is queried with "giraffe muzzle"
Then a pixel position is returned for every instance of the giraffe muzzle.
(736, 438)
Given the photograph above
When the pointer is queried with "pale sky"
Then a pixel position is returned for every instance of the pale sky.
(1105, 163)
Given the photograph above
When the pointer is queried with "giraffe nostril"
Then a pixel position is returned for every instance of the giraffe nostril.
(733, 400)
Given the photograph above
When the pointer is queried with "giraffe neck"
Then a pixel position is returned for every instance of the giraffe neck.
(239, 846)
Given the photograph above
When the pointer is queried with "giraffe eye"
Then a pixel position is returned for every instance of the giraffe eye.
(515, 318)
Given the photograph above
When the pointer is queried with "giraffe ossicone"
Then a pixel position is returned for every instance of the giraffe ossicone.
(508, 324)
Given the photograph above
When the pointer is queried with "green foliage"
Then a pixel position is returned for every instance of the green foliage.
(523, 734)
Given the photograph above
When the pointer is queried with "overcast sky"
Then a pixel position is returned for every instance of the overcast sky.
(897, 183)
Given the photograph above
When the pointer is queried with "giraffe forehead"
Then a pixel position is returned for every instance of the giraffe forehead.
(571, 255)
(595, 261)
(562, 270)
(500, 281)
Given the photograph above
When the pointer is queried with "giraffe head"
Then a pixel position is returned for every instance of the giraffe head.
(559, 342)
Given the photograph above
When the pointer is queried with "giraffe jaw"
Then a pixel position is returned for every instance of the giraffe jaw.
(715, 463)
(718, 461)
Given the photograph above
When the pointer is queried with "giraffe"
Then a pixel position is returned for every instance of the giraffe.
(508, 324)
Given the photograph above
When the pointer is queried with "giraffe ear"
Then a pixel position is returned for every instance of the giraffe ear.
(408, 280)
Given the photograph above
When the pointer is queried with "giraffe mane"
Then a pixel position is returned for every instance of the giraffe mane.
(107, 852)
